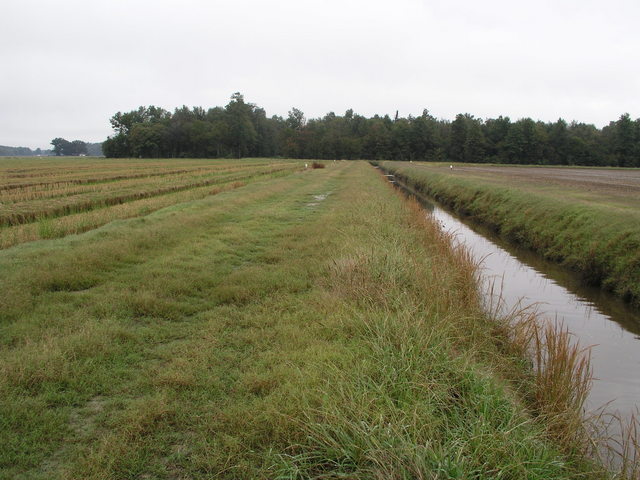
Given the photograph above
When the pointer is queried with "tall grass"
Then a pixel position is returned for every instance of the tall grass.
(558, 374)
(555, 384)
(423, 405)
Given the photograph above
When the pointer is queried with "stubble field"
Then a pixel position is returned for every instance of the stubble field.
(50, 198)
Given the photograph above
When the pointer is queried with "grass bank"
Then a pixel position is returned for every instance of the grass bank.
(308, 326)
(566, 223)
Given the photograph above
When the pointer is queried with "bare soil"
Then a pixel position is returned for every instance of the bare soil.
(619, 186)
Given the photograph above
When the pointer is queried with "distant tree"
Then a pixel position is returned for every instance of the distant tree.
(559, 143)
(148, 140)
(17, 151)
(116, 146)
(625, 142)
(525, 142)
(243, 129)
(475, 144)
(401, 139)
(94, 149)
(586, 145)
(423, 143)
(377, 141)
(458, 138)
(61, 146)
(295, 120)
(64, 147)
(495, 132)
(78, 147)
(242, 134)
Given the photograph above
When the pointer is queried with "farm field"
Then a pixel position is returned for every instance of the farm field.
(586, 219)
(53, 198)
(613, 187)
(307, 325)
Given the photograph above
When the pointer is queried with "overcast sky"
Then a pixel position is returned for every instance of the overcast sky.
(66, 66)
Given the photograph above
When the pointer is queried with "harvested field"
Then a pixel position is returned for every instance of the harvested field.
(55, 197)
(619, 187)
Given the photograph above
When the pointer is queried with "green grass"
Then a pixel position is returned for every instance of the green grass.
(600, 240)
(312, 326)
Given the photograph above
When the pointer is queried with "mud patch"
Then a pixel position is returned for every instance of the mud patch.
(317, 199)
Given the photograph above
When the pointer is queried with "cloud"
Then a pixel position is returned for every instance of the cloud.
(69, 65)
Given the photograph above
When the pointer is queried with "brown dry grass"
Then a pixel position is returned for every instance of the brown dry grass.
(72, 200)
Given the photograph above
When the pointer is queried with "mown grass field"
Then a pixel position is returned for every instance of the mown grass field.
(312, 324)
(587, 219)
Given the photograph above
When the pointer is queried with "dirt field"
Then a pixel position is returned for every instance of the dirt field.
(612, 186)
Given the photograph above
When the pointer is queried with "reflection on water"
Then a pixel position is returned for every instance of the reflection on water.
(592, 315)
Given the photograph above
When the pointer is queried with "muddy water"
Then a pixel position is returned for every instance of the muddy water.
(596, 318)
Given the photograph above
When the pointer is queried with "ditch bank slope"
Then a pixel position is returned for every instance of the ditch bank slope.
(598, 241)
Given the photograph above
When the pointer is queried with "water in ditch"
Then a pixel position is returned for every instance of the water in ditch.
(594, 317)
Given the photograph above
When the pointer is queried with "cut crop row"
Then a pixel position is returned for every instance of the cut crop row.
(57, 180)
(70, 188)
(91, 219)
(38, 210)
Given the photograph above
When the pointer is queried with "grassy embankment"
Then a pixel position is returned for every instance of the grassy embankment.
(593, 231)
(312, 326)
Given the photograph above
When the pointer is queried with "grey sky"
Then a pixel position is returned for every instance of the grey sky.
(66, 66)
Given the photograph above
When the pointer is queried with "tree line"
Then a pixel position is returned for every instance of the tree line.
(242, 129)
(6, 151)
(64, 147)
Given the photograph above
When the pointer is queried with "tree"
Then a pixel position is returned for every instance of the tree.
(525, 142)
(64, 147)
(423, 137)
(60, 146)
(559, 143)
(242, 133)
(458, 138)
(625, 142)
(78, 147)
(116, 146)
(495, 132)
(295, 120)
(475, 143)
(148, 140)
